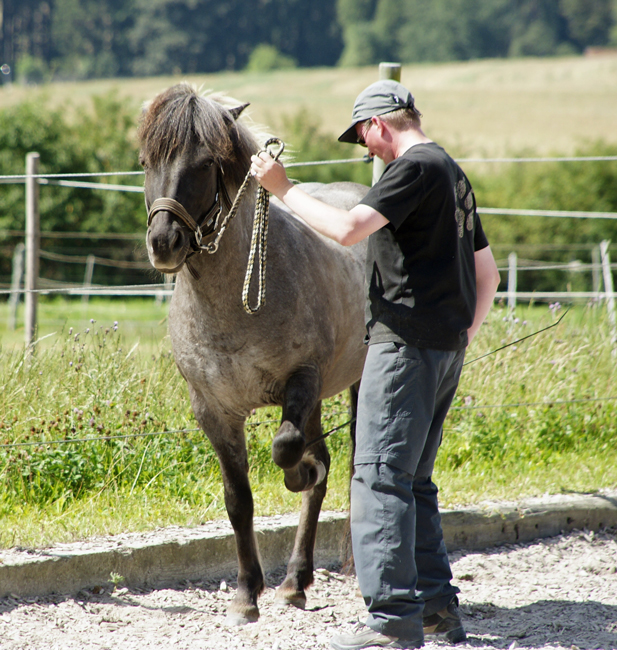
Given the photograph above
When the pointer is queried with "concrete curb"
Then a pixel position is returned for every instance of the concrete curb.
(208, 552)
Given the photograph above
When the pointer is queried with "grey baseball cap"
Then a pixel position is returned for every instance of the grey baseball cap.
(379, 98)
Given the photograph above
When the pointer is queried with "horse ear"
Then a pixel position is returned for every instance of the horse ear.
(238, 110)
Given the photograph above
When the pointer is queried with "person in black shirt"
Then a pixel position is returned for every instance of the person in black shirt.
(431, 280)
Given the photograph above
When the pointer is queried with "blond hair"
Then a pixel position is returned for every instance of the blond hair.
(403, 119)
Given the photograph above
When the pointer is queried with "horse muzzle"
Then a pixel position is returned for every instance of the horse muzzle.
(168, 243)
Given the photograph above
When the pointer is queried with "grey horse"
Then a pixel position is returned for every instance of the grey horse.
(305, 344)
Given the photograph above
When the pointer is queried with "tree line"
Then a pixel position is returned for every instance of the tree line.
(43, 40)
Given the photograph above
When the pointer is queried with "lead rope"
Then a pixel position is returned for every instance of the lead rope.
(259, 239)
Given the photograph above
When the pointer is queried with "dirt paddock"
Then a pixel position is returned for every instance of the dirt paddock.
(559, 592)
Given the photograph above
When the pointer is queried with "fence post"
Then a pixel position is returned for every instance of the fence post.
(88, 277)
(596, 267)
(386, 71)
(608, 286)
(16, 280)
(512, 264)
(33, 242)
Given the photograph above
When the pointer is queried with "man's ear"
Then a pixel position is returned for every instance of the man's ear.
(236, 112)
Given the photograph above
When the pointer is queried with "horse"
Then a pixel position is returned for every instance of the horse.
(304, 344)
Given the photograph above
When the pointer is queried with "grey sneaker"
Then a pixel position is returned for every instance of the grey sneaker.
(445, 625)
(364, 637)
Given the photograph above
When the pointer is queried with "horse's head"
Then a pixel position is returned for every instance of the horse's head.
(193, 152)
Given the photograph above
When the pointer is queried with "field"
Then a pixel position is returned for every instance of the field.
(537, 417)
(476, 108)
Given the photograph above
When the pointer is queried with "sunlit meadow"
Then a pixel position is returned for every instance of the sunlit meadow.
(535, 417)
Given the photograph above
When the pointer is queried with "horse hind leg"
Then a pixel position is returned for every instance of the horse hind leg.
(300, 567)
(302, 470)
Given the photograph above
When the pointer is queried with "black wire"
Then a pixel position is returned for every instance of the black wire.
(503, 347)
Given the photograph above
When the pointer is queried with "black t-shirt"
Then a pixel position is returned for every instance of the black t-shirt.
(420, 267)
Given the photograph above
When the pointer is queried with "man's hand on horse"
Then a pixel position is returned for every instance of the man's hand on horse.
(270, 174)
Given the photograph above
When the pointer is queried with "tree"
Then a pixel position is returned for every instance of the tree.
(589, 21)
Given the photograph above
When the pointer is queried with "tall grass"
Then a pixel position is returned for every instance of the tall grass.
(530, 419)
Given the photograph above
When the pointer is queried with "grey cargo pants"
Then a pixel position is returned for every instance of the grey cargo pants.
(399, 553)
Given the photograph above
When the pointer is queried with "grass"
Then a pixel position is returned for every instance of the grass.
(488, 107)
(514, 430)
(144, 320)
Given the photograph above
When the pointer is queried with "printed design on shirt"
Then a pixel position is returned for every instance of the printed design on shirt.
(464, 206)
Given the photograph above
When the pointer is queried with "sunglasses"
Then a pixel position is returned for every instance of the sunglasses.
(363, 131)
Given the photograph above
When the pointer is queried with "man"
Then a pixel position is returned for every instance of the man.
(431, 279)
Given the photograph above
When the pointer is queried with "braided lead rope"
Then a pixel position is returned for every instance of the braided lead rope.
(259, 240)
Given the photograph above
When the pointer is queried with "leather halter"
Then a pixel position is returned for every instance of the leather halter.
(208, 224)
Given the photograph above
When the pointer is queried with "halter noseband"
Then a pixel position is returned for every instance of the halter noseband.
(209, 223)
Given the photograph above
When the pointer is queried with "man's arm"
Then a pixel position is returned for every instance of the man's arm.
(487, 281)
(345, 227)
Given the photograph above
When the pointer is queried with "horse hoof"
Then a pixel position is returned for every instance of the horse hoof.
(305, 476)
(290, 599)
(243, 618)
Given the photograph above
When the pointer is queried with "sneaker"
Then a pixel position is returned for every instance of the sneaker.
(364, 637)
(445, 625)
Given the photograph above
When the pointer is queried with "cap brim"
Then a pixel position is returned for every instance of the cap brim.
(350, 135)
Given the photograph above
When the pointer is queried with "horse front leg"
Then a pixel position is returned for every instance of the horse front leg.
(229, 443)
(302, 470)
(239, 505)
(300, 567)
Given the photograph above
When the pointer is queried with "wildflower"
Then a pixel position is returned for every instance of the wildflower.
(516, 320)
(92, 321)
(70, 364)
(468, 400)
(70, 331)
(87, 330)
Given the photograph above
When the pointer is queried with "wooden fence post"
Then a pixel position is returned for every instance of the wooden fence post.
(386, 71)
(16, 280)
(608, 286)
(596, 267)
(88, 277)
(33, 242)
(512, 264)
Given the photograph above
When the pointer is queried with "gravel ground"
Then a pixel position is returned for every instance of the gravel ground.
(555, 593)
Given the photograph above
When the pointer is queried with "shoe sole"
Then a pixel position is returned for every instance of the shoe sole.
(454, 636)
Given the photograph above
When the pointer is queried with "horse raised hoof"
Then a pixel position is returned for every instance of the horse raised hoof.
(305, 476)
(288, 446)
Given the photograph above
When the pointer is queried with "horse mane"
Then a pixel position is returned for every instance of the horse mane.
(180, 117)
